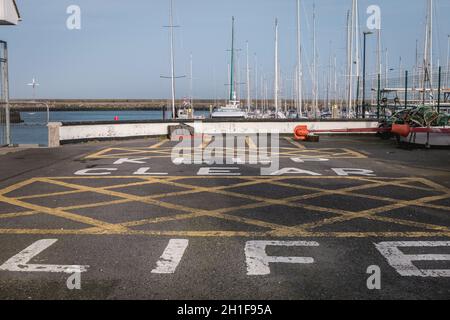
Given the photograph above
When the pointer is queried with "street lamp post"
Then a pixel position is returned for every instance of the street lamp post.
(364, 77)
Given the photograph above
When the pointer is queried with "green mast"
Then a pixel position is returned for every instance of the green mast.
(232, 63)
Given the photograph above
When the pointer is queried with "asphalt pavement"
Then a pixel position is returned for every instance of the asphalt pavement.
(351, 217)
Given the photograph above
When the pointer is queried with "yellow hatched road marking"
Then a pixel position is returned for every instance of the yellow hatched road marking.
(185, 212)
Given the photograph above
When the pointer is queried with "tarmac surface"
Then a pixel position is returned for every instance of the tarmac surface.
(346, 218)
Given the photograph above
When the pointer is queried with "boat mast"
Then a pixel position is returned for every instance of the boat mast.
(172, 60)
(448, 61)
(349, 62)
(276, 67)
(315, 82)
(379, 64)
(256, 82)
(191, 85)
(335, 90)
(232, 63)
(357, 46)
(386, 72)
(428, 52)
(172, 76)
(248, 82)
(329, 78)
(431, 46)
(299, 63)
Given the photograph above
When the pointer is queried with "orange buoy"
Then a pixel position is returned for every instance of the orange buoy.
(402, 130)
(301, 133)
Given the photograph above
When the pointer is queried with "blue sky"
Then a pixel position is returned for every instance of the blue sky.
(122, 49)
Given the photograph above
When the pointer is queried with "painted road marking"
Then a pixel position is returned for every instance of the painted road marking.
(184, 211)
(295, 143)
(20, 261)
(285, 171)
(159, 144)
(145, 171)
(303, 160)
(131, 160)
(95, 172)
(402, 263)
(236, 161)
(250, 143)
(217, 172)
(284, 152)
(258, 260)
(206, 141)
(171, 256)
(353, 172)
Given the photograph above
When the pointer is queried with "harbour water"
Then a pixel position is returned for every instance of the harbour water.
(33, 129)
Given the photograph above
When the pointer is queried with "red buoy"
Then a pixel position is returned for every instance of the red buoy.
(301, 133)
(402, 130)
(116, 118)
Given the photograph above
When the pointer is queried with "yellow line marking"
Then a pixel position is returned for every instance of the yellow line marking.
(275, 230)
(99, 153)
(17, 214)
(371, 212)
(345, 191)
(206, 141)
(284, 152)
(295, 143)
(17, 186)
(159, 144)
(62, 214)
(250, 143)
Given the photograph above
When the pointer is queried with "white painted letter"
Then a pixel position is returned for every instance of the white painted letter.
(258, 260)
(93, 172)
(128, 160)
(217, 172)
(145, 172)
(171, 257)
(354, 172)
(20, 261)
(303, 160)
(293, 171)
(403, 262)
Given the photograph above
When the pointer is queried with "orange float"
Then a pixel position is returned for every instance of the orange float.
(402, 130)
(301, 133)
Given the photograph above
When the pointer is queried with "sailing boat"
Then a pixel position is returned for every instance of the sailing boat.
(233, 109)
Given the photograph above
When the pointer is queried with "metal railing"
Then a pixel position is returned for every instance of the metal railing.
(405, 89)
